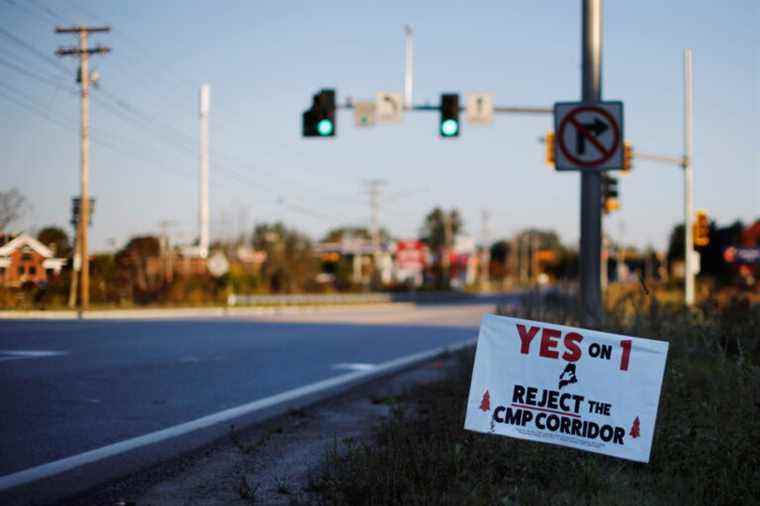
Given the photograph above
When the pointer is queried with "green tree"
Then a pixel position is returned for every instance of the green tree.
(337, 234)
(500, 251)
(676, 243)
(12, 205)
(137, 263)
(438, 231)
(56, 239)
(433, 231)
(544, 239)
(291, 265)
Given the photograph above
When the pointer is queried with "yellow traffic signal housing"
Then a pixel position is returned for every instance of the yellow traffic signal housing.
(701, 230)
(549, 143)
(627, 157)
(610, 205)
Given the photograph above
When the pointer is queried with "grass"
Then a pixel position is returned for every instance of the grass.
(706, 448)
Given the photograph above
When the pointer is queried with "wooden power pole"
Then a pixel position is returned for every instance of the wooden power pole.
(84, 52)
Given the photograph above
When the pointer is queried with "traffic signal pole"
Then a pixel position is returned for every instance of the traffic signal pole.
(591, 195)
(685, 162)
(688, 179)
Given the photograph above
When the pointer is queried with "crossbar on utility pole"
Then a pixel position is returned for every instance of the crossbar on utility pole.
(84, 52)
(591, 192)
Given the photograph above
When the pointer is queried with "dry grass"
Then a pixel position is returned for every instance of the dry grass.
(706, 449)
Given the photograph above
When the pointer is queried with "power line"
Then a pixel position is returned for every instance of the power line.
(186, 140)
(20, 42)
(40, 77)
(47, 11)
(139, 119)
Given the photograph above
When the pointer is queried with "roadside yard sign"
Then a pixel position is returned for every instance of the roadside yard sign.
(589, 136)
(389, 107)
(585, 389)
(480, 108)
(364, 113)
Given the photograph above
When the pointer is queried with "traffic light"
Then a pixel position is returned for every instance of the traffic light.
(627, 157)
(701, 230)
(610, 200)
(449, 125)
(549, 144)
(319, 121)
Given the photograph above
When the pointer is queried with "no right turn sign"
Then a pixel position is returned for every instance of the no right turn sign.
(589, 136)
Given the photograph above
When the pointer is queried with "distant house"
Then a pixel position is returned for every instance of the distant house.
(24, 259)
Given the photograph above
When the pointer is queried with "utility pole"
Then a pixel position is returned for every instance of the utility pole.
(533, 257)
(445, 259)
(523, 257)
(688, 178)
(374, 187)
(203, 215)
(167, 255)
(591, 191)
(75, 268)
(485, 258)
(408, 66)
(84, 52)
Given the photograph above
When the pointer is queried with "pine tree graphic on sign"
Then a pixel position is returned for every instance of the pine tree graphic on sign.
(635, 428)
(485, 404)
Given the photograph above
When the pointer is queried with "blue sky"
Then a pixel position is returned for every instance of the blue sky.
(263, 61)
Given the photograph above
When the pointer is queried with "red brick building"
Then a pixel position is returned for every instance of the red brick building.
(24, 259)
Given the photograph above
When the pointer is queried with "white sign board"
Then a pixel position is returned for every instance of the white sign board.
(696, 261)
(480, 108)
(218, 264)
(389, 107)
(364, 113)
(585, 389)
(589, 136)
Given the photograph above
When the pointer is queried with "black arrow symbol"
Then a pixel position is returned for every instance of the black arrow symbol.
(392, 101)
(598, 127)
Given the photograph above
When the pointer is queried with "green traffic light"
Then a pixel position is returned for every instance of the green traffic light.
(325, 127)
(449, 128)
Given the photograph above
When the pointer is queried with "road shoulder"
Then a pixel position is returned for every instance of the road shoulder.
(269, 463)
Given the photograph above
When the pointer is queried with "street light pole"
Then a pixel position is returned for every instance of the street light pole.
(688, 178)
(591, 192)
(408, 66)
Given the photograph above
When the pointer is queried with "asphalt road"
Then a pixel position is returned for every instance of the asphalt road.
(72, 386)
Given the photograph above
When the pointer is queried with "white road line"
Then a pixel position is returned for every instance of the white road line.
(22, 354)
(68, 463)
(357, 366)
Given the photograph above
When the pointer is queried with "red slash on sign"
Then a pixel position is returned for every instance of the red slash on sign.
(597, 122)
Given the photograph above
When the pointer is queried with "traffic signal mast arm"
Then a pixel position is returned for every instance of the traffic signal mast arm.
(348, 104)
(673, 160)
